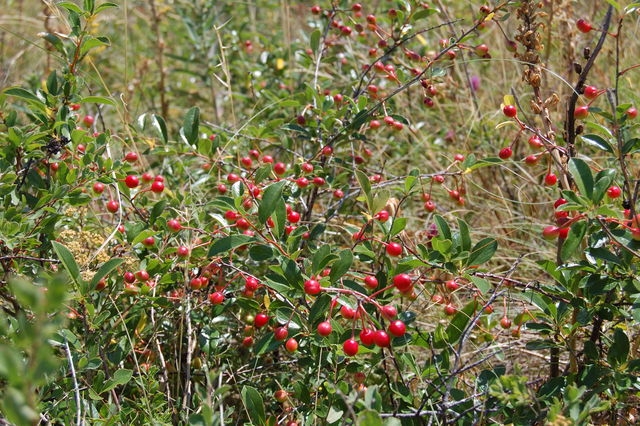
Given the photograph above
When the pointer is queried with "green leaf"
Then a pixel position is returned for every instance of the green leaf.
(70, 6)
(459, 322)
(19, 92)
(271, 198)
(581, 174)
(253, 404)
(68, 262)
(315, 40)
(369, 418)
(342, 265)
(482, 252)
(104, 6)
(225, 244)
(619, 349)
(98, 100)
(157, 122)
(191, 126)
(105, 270)
(443, 227)
(604, 179)
(365, 184)
(465, 235)
(423, 13)
(120, 377)
(574, 239)
(630, 146)
(597, 141)
(398, 226)
(481, 284)
(321, 258)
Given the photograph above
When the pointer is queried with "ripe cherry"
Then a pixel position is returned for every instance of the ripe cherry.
(347, 312)
(505, 152)
(371, 282)
(174, 225)
(394, 249)
(131, 181)
(182, 251)
(129, 277)
(247, 162)
(157, 186)
(281, 395)
(98, 187)
(450, 309)
(88, 120)
(338, 193)
(324, 328)
(614, 192)
(389, 312)
(302, 182)
(581, 112)
(590, 92)
(510, 111)
(550, 232)
(279, 168)
(505, 322)
(280, 333)
(631, 113)
(397, 328)
(583, 26)
(350, 347)
(291, 345)
(382, 216)
(216, 298)
(550, 179)
(113, 206)
(452, 285)
(195, 283)
(402, 282)
(367, 336)
(131, 157)
(312, 287)
(261, 319)
(293, 217)
(251, 283)
(306, 167)
(316, 10)
(535, 142)
(430, 206)
(381, 338)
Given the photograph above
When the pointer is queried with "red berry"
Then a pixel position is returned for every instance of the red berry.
(281, 395)
(381, 339)
(113, 206)
(312, 287)
(247, 162)
(531, 160)
(267, 159)
(131, 181)
(306, 167)
(174, 225)
(632, 112)
(338, 193)
(281, 333)
(182, 251)
(535, 142)
(394, 249)
(131, 157)
(397, 328)
(251, 283)
(374, 124)
(247, 341)
(505, 322)
(157, 186)
(302, 182)
(129, 277)
(196, 283)
(149, 242)
(614, 192)
(324, 328)
(279, 168)
(88, 120)
(98, 187)
(371, 282)
(291, 345)
(510, 111)
(350, 347)
(293, 217)
(382, 216)
(261, 319)
(583, 26)
(452, 285)
(505, 152)
(590, 92)
(402, 282)
(581, 112)
(216, 298)
(347, 312)
(550, 232)
(550, 179)
(389, 312)
(316, 10)
(450, 309)
(318, 181)
(430, 206)
(367, 336)
(142, 275)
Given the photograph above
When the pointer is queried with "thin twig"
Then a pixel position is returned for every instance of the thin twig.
(76, 388)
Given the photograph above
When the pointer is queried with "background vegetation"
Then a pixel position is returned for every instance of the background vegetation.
(394, 212)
